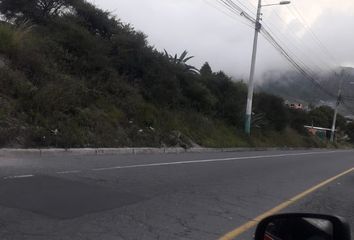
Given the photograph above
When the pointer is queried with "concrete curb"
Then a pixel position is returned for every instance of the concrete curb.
(125, 151)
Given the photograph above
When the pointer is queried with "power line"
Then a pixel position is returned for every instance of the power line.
(306, 50)
(250, 11)
(231, 4)
(227, 13)
(265, 26)
(231, 8)
(349, 109)
(297, 64)
(289, 52)
(235, 9)
(243, 13)
(322, 49)
(307, 26)
(325, 51)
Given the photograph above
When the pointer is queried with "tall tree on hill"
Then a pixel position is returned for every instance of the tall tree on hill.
(97, 21)
(206, 70)
(33, 10)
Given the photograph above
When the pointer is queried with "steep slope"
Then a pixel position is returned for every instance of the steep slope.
(71, 75)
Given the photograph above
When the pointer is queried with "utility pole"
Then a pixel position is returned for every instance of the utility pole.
(258, 27)
(339, 99)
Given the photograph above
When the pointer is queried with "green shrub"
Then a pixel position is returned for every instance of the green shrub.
(7, 43)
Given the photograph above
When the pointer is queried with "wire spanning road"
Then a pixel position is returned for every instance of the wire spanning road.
(185, 196)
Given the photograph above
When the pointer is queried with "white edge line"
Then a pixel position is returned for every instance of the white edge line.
(181, 162)
(19, 176)
(69, 172)
(209, 160)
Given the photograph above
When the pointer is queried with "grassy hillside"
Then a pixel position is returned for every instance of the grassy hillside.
(71, 75)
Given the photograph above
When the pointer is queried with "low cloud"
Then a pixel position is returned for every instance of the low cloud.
(226, 43)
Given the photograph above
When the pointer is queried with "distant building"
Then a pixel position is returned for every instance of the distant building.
(297, 106)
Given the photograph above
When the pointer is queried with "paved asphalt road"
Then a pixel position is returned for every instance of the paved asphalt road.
(185, 196)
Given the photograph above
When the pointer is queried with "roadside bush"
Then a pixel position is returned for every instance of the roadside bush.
(350, 131)
(7, 44)
(298, 119)
(274, 110)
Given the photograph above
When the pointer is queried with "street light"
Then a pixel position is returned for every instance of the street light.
(258, 27)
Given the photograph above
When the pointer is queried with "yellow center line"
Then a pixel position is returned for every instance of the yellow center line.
(250, 224)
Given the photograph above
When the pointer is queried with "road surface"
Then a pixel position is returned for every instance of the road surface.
(171, 196)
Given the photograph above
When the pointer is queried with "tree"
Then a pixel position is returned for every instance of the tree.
(230, 97)
(323, 117)
(182, 61)
(97, 21)
(298, 119)
(350, 131)
(274, 110)
(33, 10)
(52, 7)
(198, 95)
(206, 70)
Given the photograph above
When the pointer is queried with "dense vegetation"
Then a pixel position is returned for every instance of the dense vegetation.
(71, 75)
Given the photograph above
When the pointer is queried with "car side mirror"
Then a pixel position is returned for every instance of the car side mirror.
(303, 226)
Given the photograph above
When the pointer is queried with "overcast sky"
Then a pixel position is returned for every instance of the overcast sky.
(312, 30)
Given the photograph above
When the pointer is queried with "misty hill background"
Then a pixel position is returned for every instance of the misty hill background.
(294, 87)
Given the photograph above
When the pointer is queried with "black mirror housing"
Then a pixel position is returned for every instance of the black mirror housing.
(303, 226)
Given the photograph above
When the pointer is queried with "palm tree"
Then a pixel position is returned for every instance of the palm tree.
(182, 60)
